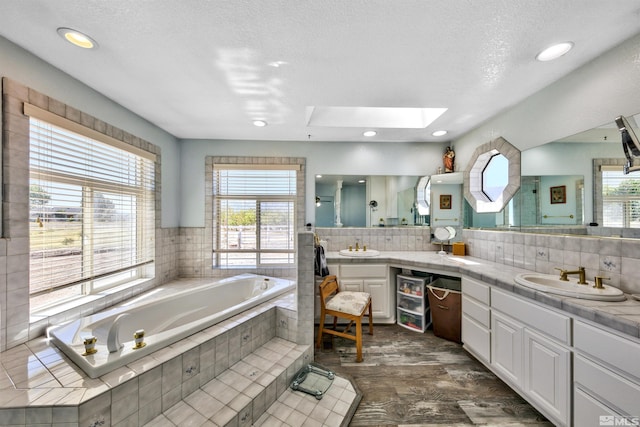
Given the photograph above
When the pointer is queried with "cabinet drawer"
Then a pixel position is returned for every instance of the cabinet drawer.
(411, 303)
(412, 285)
(587, 410)
(363, 270)
(478, 312)
(476, 290)
(619, 352)
(551, 323)
(608, 386)
(411, 320)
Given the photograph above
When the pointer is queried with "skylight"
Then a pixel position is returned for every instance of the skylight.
(373, 117)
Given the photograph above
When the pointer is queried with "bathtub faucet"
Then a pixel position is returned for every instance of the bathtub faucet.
(113, 340)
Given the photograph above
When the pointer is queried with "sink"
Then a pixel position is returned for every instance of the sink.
(553, 285)
(360, 253)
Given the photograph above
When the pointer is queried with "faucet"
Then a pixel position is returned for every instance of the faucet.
(580, 272)
(113, 340)
(357, 246)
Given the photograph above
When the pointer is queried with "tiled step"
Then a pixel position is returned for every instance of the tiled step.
(242, 393)
(255, 391)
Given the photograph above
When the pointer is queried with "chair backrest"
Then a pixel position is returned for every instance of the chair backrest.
(328, 287)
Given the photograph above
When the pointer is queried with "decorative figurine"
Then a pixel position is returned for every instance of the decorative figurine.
(448, 159)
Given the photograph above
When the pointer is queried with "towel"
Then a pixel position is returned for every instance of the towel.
(320, 268)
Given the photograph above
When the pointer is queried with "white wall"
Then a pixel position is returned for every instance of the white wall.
(23, 67)
(589, 97)
(329, 158)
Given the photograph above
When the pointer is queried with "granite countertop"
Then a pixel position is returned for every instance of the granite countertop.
(622, 316)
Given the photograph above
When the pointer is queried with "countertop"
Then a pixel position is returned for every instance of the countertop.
(621, 316)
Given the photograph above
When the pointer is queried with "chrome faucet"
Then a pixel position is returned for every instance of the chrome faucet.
(580, 272)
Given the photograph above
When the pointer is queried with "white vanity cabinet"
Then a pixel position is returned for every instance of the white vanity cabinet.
(533, 353)
(374, 279)
(476, 319)
(606, 375)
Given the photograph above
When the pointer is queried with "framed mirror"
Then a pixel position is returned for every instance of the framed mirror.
(492, 177)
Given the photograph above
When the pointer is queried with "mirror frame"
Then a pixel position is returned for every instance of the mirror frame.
(477, 164)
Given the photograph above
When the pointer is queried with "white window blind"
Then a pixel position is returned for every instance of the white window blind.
(620, 198)
(91, 211)
(254, 214)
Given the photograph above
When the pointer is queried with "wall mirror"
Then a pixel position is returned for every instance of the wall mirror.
(542, 201)
(369, 201)
(573, 161)
(379, 200)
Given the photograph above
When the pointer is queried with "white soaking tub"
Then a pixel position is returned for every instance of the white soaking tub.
(165, 320)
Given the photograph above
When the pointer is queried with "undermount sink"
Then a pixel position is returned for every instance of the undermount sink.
(553, 285)
(359, 253)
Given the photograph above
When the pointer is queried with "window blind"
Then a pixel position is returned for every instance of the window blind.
(254, 211)
(620, 198)
(91, 210)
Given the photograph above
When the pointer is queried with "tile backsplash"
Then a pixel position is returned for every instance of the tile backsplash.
(379, 238)
(611, 257)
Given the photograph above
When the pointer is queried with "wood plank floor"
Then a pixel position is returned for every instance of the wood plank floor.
(412, 379)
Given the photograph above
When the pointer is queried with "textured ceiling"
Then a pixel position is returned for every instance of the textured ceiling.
(206, 69)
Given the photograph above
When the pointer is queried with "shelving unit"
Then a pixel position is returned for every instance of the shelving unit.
(412, 303)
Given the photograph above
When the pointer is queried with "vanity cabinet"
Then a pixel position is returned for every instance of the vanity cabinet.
(476, 319)
(530, 349)
(371, 278)
(606, 374)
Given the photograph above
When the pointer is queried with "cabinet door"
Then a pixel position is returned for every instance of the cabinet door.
(380, 304)
(476, 338)
(547, 376)
(506, 348)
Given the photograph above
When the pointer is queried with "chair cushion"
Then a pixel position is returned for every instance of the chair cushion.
(348, 302)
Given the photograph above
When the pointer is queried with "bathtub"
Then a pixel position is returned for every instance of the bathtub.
(165, 320)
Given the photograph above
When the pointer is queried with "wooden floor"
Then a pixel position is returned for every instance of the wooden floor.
(412, 379)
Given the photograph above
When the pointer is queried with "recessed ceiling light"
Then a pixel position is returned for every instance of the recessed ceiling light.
(555, 51)
(361, 181)
(259, 123)
(77, 38)
(369, 133)
(439, 133)
(318, 176)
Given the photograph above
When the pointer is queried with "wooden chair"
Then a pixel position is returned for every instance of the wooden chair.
(349, 305)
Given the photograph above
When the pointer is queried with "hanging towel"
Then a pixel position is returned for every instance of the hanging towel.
(320, 268)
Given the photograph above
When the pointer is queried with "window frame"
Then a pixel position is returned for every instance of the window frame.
(624, 199)
(218, 261)
(144, 192)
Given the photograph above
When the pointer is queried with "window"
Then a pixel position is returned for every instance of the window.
(91, 213)
(254, 213)
(620, 198)
(495, 177)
